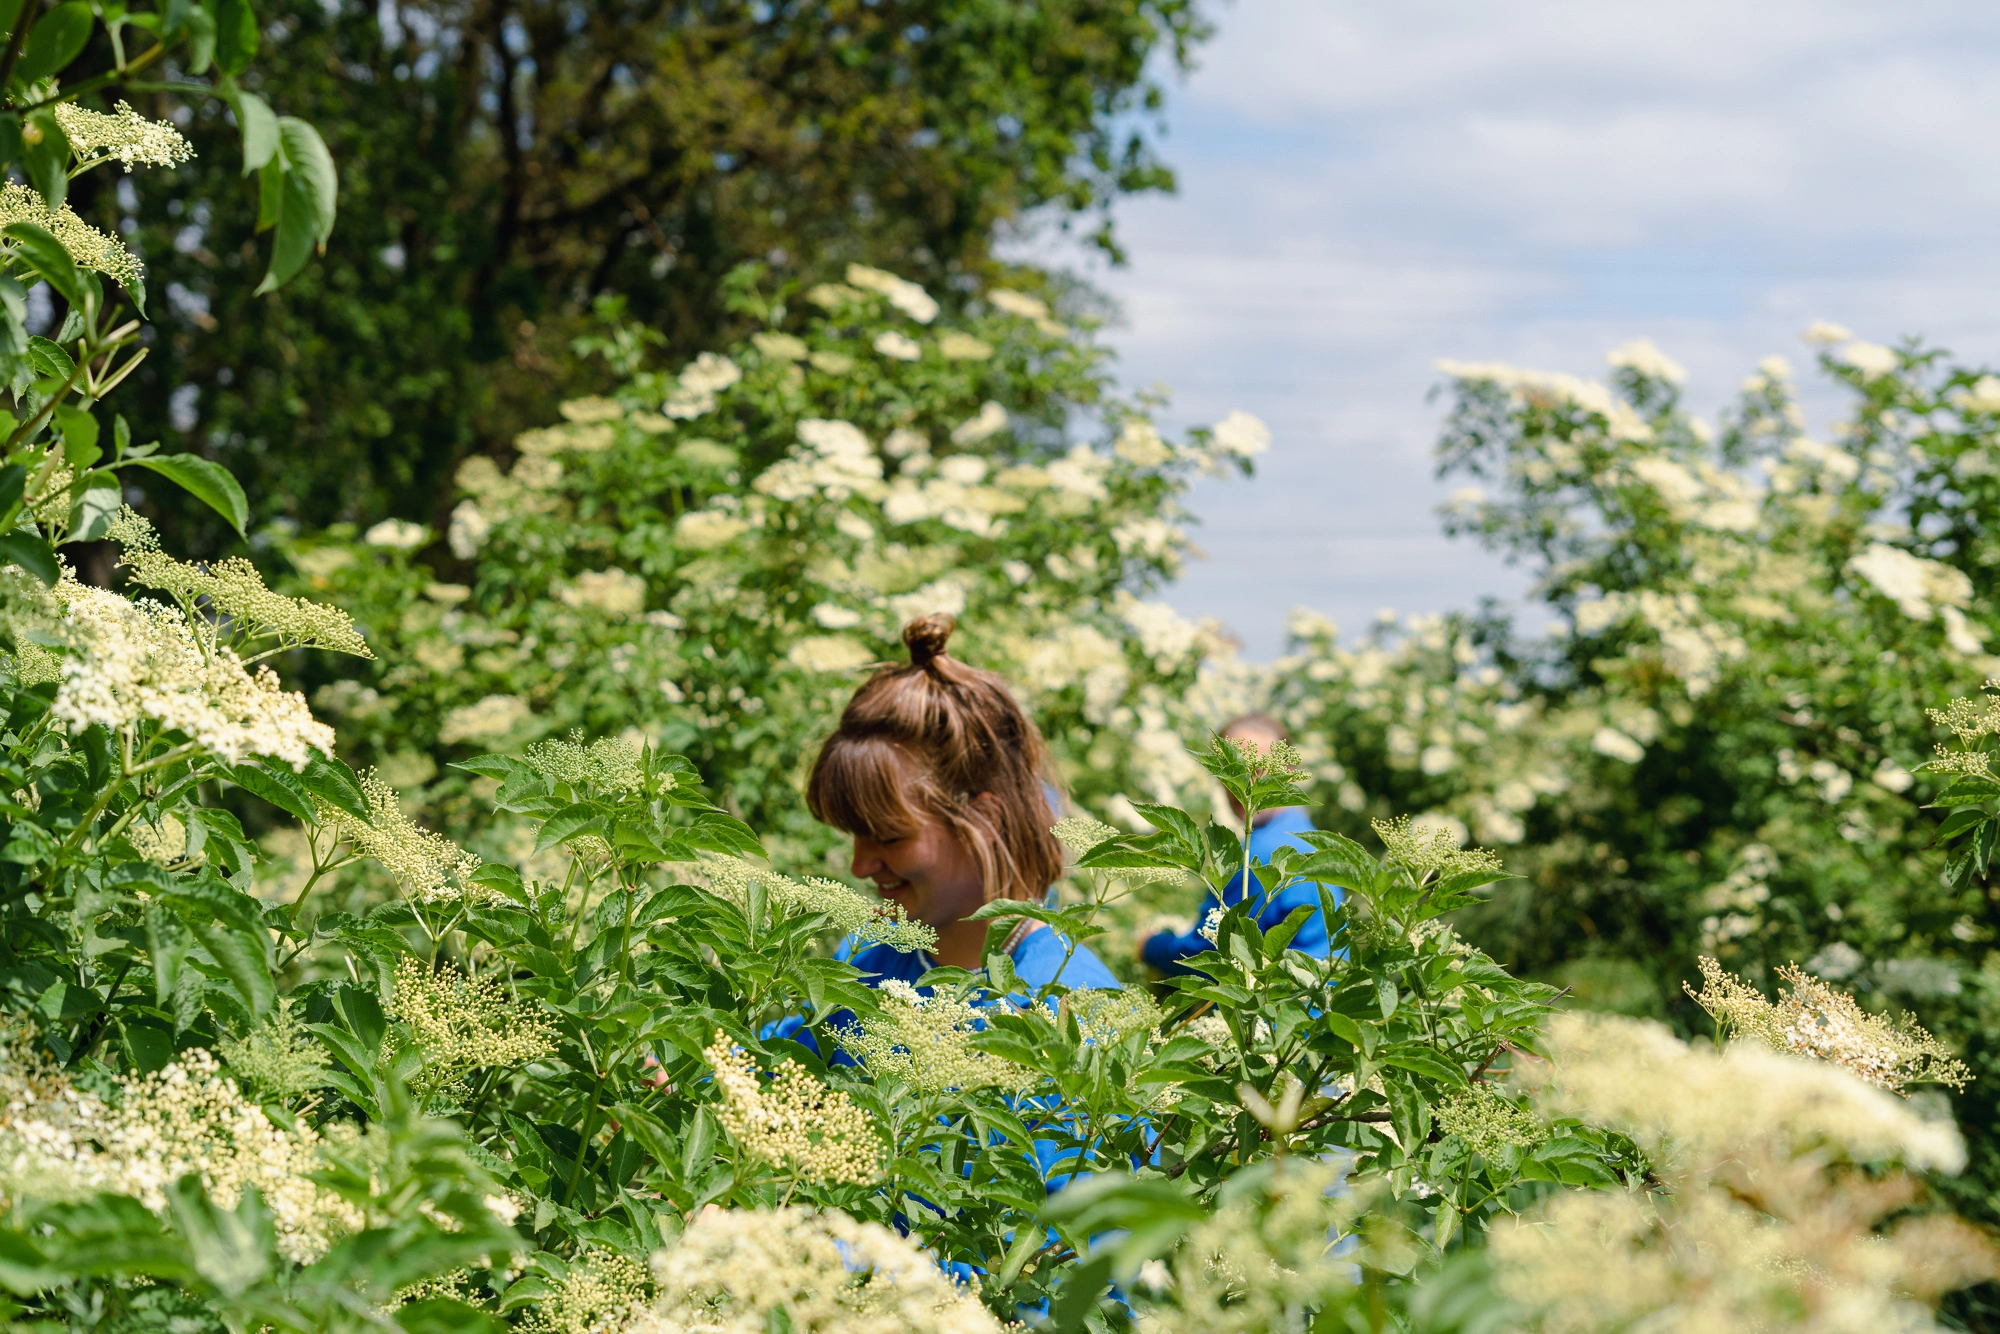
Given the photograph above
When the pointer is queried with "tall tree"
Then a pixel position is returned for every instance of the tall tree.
(508, 162)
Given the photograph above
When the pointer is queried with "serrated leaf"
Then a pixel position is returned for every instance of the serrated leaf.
(207, 481)
(32, 554)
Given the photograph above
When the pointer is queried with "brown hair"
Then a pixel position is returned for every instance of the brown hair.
(924, 742)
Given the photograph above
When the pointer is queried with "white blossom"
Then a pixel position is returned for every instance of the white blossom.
(492, 719)
(1871, 359)
(903, 294)
(468, 530)
(124, 135)
(991, 420)
(835, 617)
(958, 346)
(1018, 303)
(1983, 396)
(1911, 582)
(707, 529)
(710, 373)
(615, 592)
(1617, 745)
(1242, 435)
(397, 534)
(965, 469)
(1081, 473)
(1643, 358)
(828, 653)
(1140, 445)
(900, 347)
(132, 661)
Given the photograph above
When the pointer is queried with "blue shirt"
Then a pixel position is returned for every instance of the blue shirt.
(1038, 961)
(1167, 951)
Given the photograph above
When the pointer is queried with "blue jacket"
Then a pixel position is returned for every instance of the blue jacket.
(1038, 960)
(1167, 951)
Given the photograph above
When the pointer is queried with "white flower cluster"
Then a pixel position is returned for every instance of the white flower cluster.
(925, 1041)
(58, 1142)
(1916, 585)
(89, 247)
(903, 294)
(463, 1023)
(1750, 1228)
(792, 1121)
(492, 718)
(609, 763)
(428, 866)
(233, 590)
(139, 661)
(866, 921)
(1810, 1018)
(834, 460)
(705, 377)
(748, 1272)
(614, 592)
(125, 135)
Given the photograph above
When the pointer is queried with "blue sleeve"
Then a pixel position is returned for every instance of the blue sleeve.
(1166, 951)
(1039, 960)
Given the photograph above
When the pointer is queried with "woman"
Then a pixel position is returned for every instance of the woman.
(941, 780)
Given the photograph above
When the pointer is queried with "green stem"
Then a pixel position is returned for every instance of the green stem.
(102, 1017)
(147, 57)
(34, 423)
(17, 39)
(583, 1141)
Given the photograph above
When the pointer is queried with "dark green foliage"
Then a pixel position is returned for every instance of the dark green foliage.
(658, 146)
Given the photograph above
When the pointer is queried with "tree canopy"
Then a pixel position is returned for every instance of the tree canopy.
(506, 163)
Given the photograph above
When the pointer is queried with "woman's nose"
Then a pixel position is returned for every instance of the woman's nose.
(867, 860)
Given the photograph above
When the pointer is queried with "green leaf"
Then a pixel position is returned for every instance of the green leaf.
(209, 482)
(46, 256)
(280, 787)
(578, 818)
(32, 554)
(259, 126)
(300, 200)
(56, 39)
(49, 358)
(13, 478)
(335, 783)
(94, 507)
(232, 1249)
(235, 36)
(230, 927)
(445, 1315)
(46, 160)
(201, 40)
(79, 434)
(23, 1269)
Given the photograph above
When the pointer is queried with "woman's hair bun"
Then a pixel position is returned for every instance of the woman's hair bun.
(926, 637)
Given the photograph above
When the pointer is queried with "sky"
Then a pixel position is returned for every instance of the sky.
(1367, 188)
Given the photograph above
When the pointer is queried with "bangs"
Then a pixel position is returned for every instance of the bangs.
(859, 786)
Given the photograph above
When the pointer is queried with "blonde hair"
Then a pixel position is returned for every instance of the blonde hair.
(923, 743)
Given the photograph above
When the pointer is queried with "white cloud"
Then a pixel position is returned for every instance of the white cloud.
(1367, 188)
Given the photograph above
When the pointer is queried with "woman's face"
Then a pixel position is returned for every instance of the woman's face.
(931, 874)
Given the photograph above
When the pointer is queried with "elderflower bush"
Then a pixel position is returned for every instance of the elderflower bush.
(711, 557)
(1715, 747)
(554, 1098)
